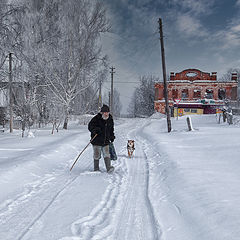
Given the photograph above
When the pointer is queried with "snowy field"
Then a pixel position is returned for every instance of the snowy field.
(178, 186)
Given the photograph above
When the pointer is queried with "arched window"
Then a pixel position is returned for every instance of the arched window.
(197, 94)
(185, 94)
(174, 94)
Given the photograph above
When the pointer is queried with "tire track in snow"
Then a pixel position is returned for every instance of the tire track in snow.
(98, 224)
(154, 221)
(131, 215)
(137, 219)
(125, 211)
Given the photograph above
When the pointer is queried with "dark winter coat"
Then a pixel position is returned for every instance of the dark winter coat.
(104, 129)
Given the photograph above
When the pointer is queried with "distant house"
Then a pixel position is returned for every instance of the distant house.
(200, 92)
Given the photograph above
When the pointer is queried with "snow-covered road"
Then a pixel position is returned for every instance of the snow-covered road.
(179, 185)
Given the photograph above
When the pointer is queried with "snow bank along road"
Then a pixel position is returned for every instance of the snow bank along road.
(179, 185)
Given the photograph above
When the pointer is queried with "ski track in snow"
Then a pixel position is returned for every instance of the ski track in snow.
(52, 184)
(125, 211)
(15, 149)
(30, 194)
(46, 208)
(33, 189)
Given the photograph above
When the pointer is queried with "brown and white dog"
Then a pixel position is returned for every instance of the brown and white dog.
(130, 147)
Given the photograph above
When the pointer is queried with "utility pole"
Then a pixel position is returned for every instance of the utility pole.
(164, 76)
(111, 98)
(100, 95)
(10, 94)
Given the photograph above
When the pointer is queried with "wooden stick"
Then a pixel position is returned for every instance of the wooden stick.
(82, 152)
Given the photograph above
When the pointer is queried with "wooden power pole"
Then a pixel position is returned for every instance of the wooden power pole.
(10, 94)
(164, 76)
(100, 96)
(111, 96)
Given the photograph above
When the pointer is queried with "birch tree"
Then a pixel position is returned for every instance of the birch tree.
(142, 103)
(10, 28)
(117, 106)
(66, 35)
(228, 75)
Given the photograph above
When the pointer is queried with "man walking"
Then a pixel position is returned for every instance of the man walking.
(102, 125)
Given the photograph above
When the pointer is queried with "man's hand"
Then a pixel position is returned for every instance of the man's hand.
(96, 131)
(112, 138)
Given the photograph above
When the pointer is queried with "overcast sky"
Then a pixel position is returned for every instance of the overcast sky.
(202, 34)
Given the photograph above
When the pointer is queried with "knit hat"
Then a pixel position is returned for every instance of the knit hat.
(105, 108)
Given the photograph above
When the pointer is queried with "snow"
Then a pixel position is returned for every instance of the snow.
(179, 185)
(157, 115)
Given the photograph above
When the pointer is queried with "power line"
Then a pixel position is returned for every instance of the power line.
(137, 48)
(121, 82)
(122, 95)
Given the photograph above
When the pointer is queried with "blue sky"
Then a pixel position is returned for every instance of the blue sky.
(202, 34)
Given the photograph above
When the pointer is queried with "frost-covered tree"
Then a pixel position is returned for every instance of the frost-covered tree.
(228, 75)
(142, 103)
(117, 106)
(63, 47)
(132, 109)
(57, 46)
(10, 31)
(10, 27)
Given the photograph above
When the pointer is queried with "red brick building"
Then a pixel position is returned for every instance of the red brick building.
(192, 86)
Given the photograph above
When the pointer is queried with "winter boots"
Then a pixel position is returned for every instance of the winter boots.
(108, 165)
(96, 165)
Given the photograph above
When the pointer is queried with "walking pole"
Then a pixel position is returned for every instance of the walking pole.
(82, 152)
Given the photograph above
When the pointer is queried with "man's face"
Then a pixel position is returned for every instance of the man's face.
(105, 115)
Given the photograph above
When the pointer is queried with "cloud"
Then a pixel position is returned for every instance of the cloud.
(230, 37)
(190, 26)
(134, 49)
(193, 7)
(236, 29)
